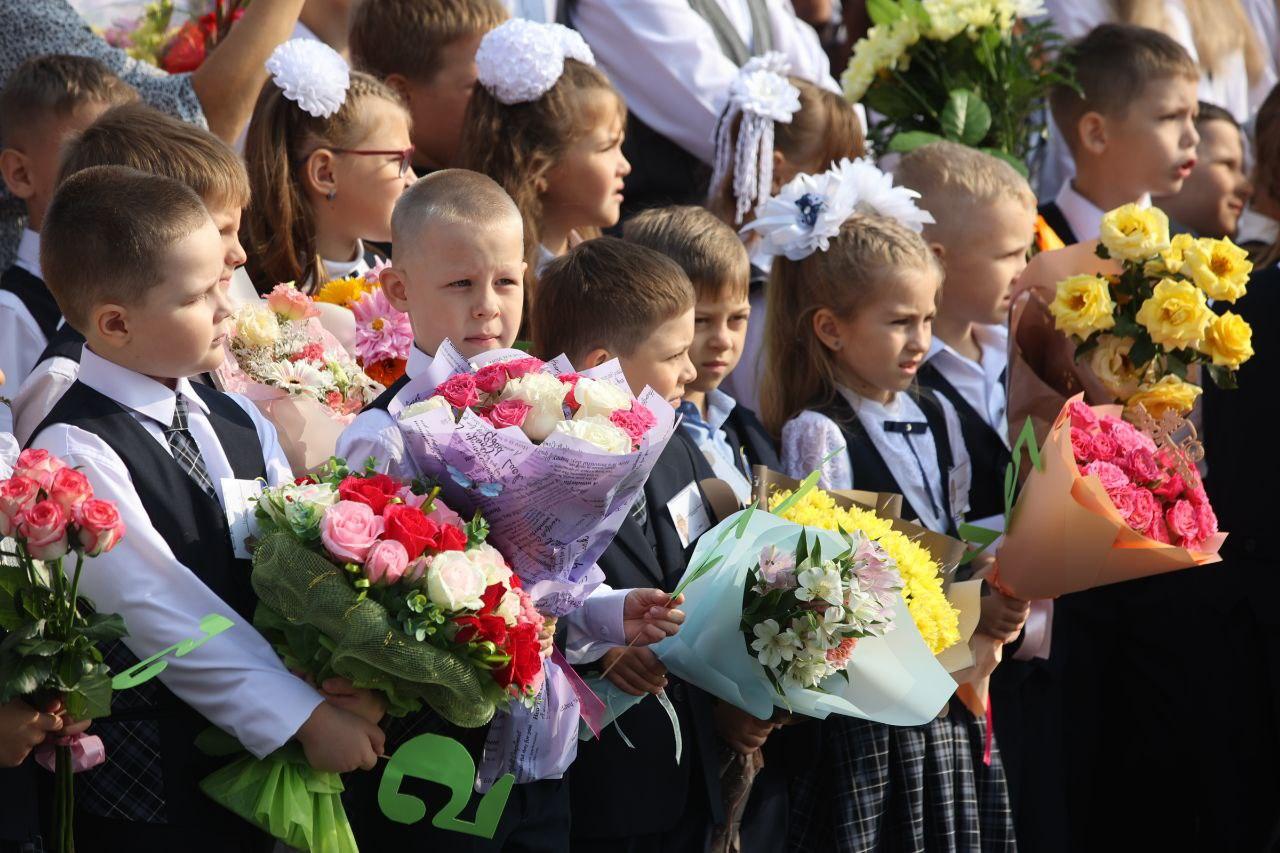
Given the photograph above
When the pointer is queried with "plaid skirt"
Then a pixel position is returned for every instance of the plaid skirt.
(874, 787)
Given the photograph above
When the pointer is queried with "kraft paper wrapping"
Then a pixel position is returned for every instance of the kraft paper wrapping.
(1066, 536)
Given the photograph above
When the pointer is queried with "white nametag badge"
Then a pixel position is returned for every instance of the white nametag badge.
(689, 514)
(236, 500)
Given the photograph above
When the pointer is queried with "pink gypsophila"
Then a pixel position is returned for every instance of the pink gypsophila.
(382, 332)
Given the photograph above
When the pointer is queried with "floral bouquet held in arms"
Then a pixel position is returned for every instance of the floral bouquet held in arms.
(1139, 331)
(50, 648)
(297, 373)
(373, 330)
(969, 71)
(1108, 502)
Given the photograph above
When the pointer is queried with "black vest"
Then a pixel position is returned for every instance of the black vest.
(383, 400)
(35, 296)
(871, 473)
(66, 342)
(988, 455)
(1053, 216)
(194, 527)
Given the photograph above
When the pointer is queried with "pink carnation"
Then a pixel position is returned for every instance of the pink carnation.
(382, 331)
(1082, 416)
(572, 380)
(839, 656)
(635, 422)
(310, 352)
(1111, 476)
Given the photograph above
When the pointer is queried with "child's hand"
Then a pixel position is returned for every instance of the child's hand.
(744, 733)
(369, 704)
(547, 636)
(634, 670)
(647, 616)
(987, 654)
(1002, 616)
(22, 729)
(337, 741)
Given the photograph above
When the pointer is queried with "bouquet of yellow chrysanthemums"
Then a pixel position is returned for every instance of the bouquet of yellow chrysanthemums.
(1138, 331)
(969, 71)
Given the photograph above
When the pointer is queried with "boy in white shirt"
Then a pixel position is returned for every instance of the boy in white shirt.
(136, 265)
(45, 101)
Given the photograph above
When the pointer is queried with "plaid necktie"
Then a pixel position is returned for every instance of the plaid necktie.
(185, 450)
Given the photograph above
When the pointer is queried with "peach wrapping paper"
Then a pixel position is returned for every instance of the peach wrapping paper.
(1066, 536)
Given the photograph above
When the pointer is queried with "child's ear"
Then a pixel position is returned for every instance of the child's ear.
(595, 358)
(395, 288)
(827, 327)
(16, 171)
(110, 324)
(399, 84)
(317, 174)
(939, 252)
(1091, 133)
(779, 166)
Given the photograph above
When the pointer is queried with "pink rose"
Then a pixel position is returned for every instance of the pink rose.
(407, 497)
(349, 529)
(1182, 521)
(291, 303)
(1105, 448)
(1206, 520)
(1159, 531)
(1142, 466)
(1082, 416)
(1110, 475)
(572, 380)
(416, 569)
(518, 367)
(459, 390)
(444, 516)
(1123, 500)
(44, 527)
(1170, 489)
(1081, 444)
(386, 561)
(1128, 437)
(17, 495)
(1146, 509)
(70, 488)
(39, 465)
(491, 378)
(509, 413)
(100, 526)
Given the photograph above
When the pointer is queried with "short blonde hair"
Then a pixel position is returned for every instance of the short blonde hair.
(53, 86)
(449, 195)
(106, 234)
(407, 37)
(706, 248)
(953, 179)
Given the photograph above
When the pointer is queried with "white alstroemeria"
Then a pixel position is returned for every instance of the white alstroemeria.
(821, 583)
(774, 645)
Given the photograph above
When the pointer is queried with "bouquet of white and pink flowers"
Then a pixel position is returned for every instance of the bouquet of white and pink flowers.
(301, 377)
(373, 330)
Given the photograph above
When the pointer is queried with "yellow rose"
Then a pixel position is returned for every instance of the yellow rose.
(1171, 259)
(1132, 233)
(257, 326)
(1109, 361)
(1228, 341)
(1219, 267)
(1083, 306)
(1176, 315)
(1170, 393)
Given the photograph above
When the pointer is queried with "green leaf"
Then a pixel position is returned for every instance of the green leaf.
(1176, 365)
(1142, 351)
(1222, 377)
(104, 627)
(92, 697)
(30, 676)
(40, 648)
(910, 140)
(965, 118)
(883, 11)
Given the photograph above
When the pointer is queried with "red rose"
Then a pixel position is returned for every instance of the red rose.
(569, 399)
(459, 390)
(410, 528)
(375, 491)
(526, 659)
(304, 481)
(509, 413)
(491, 378)
(481, 628)
(449, 538)
(492, 597)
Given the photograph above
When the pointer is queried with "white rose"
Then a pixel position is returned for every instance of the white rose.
(599, 398)
(257, 327)
(454, 582)
(509, 608)
(598, 431)
(545, 395)
(423, 406)
(490, 561)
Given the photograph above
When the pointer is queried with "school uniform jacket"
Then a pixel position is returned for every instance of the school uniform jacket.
(748, 438)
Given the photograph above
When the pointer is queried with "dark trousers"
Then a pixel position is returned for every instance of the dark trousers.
(690, 835)
(234, 835)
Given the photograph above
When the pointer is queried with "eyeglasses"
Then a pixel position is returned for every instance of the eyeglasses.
(406, 156)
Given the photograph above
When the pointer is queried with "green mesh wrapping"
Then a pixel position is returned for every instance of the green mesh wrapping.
(311, 614)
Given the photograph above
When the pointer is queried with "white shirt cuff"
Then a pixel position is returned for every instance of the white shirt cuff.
(596, 626)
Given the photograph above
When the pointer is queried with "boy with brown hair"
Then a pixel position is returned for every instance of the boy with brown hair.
(639, 799)
(1130, 126)
(426, 51)
(136, 265)
(150, 141)
(45, 101)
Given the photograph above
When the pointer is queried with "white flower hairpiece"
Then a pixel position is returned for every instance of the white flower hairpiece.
(311, 74)
(809, 211)
(762, 95)
(521, 60)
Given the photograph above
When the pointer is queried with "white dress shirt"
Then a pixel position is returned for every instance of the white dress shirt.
(664, 59)
(236, 680)
(542, 11)
(375, 433)
(978, 382)
(21, 340)
(811, 437)
(1084, 217)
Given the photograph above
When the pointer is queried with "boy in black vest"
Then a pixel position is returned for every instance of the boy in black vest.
(639, 799)
(143, 138)
(45, 101)
(135, 263)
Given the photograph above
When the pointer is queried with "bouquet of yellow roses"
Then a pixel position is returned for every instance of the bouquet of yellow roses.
(1139, 330)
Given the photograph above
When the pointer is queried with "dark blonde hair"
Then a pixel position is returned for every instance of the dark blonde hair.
(823, 131)
(954, 180)
(863, 260)
(106, 234)
(408, 37)
(53, 86)
(146, 139)
(606, 294)
(279, 232)
(1114, 64)
(707, 249)
(1218, 29)
(517, 144)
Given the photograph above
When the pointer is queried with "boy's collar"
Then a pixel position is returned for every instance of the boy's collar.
(29, 253)
(133, 390)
